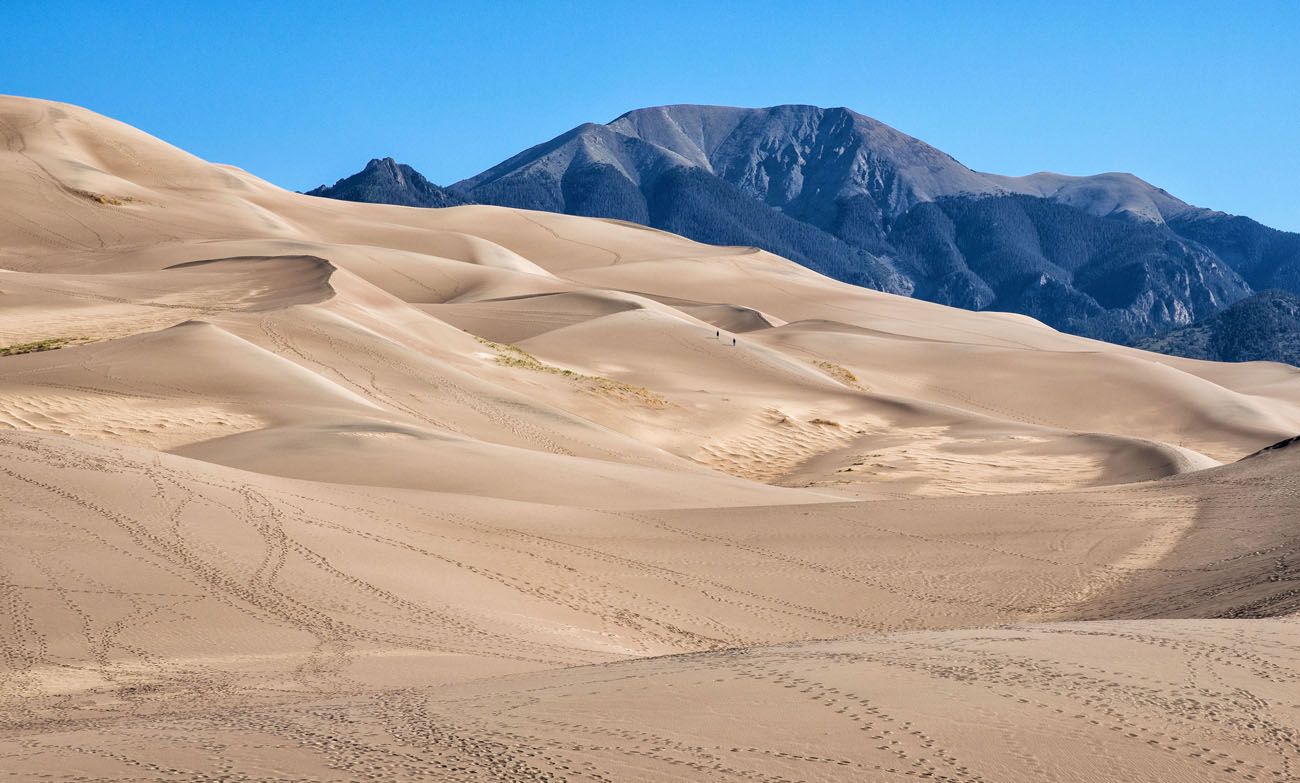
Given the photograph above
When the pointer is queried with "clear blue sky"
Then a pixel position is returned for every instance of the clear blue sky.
(1202, 99)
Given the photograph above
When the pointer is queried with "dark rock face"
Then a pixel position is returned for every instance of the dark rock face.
(1108, 256)
(1101, 277)
(694, 204)
(1263, 327)
(385, 181)
(1265, 257)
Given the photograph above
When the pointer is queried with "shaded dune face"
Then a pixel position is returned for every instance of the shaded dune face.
(299, 489)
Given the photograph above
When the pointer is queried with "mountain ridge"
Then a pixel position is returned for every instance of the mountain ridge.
(931, 173)
(1108, 256)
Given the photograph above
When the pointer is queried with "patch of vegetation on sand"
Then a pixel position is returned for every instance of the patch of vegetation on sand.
(37, 346)
(842, 374)
(100, 198)
(514, 356)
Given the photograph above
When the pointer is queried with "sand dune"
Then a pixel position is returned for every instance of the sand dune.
(297, 489)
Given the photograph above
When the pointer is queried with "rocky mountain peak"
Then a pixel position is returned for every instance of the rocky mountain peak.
(385, 181)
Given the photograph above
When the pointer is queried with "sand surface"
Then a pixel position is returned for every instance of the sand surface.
(303, 490)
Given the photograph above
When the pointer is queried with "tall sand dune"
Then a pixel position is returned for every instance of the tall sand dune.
(294, 489)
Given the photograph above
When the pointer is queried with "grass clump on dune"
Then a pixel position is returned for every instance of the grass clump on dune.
(100, 198)
(514, 356)
(842, 374)
(35, 347)
(625, 391)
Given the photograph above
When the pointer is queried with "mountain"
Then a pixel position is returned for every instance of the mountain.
(828, 167)
(385, 181)
(1265, 326)
(1108, 256)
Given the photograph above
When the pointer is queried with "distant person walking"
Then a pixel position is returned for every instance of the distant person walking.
(733, 342)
